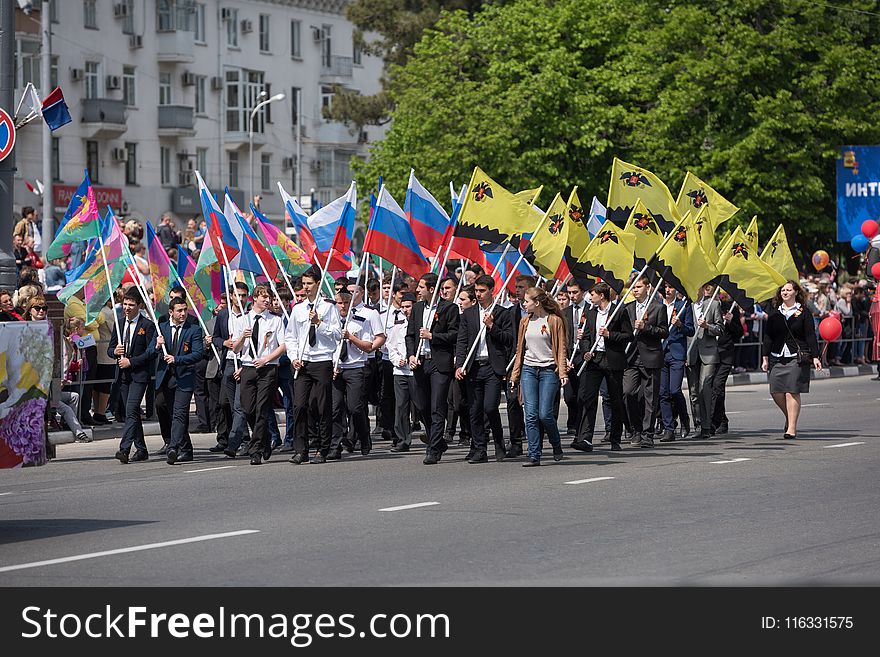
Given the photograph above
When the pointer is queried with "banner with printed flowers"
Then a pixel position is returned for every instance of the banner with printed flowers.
(25, 376)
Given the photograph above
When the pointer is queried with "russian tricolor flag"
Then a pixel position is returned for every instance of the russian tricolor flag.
(391, 237)
(300, 221)
(54, 110)
(333, 227)
(222, 238)
(427, 217)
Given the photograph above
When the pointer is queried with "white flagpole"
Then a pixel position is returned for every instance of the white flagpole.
(143, 290)
(197, 314)
(338, 351)
(390, 296)
(107, 277)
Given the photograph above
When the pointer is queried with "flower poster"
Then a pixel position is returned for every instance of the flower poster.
(25, 376)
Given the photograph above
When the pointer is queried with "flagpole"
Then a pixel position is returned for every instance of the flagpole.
(302, 349)
(501, 259)
(234, 294)
(645, 314)
(198, 315)
(461, 278)
(338, 352)
(272, 283)
(107, 277)
(138, 281)
(390, 296)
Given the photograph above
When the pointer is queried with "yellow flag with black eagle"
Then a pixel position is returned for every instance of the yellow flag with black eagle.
(777, 254)
(629, 183)
(547, 247)
(743, 275)
(609, 256)
(644, 228)
(695, 195)
(681, 260)
(493, 214)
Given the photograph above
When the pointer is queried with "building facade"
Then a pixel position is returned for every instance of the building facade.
(158, 89)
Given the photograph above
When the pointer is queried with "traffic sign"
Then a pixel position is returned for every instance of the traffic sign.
(7, 134)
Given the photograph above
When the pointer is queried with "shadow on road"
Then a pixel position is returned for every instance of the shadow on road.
(18, 531)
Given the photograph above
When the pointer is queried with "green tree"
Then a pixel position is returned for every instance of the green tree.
(753, 96)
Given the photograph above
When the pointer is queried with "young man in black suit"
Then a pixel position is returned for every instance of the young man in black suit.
(575, 316)
(606, 363)
(134, 358)
(486, 370)
(641, 379)
(733, 332)
(430, 344)
(175, 379)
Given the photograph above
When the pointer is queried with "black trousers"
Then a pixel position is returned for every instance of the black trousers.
(431, 390)
(131, 393)
(386, 396)
(222, 411)
(373, 383)
(570, 395)
(257, 390)
(484, 388)
(172, 408)
(238, 426)
(459, 403)
(313, 407)
(641, 389)
(594, 373)
(203, 402)
(350, 406)
(719, 392)
(516, 421)
(403, 393)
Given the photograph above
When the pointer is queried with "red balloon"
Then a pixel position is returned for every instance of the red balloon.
(830, 329)
(870, 228)
(875, 271)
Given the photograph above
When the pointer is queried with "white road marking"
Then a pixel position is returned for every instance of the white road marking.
(409, 506)
(841, 445)
(135, 548)
(2, 494)
(806, 405)
(731, 461)
(588, 481)
(222, 467)
(734, 412)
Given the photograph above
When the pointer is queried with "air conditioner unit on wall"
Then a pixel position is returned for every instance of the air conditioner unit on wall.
(247, 25)
(77, 74)
(185, 179)
(317, 34)
(135, 41)
(287, 163)
(112, 82)
(316, 165)
(217, 83)
(119, 154)
(186, 164)
(188, 78)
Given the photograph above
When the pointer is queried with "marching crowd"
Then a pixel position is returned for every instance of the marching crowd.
(431, 364)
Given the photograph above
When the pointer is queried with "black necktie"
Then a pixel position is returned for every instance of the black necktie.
(254, 339)
(126, 343)
(343, 352)
(174, 340)
(313, 333)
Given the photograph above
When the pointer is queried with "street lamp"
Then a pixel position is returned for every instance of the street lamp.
(251, 134)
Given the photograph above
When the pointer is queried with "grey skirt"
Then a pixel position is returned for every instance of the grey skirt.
(787, 376)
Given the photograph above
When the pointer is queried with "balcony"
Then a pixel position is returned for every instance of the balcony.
(175, 46)
(337, 69)
(103, 117)
(238, 139)
(335, 132)
(176, 121)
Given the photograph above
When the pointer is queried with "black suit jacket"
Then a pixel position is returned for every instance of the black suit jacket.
(499, 339)
(620, 334)
(571, 331)
(221, 333)
(444, 330)
(141, 350)
(733, 332)
(801, 332)
(649, 340)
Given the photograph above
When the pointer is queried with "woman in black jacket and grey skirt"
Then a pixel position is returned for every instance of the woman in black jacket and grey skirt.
(790, 350)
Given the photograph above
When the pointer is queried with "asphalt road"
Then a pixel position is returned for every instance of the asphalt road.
(742, 509)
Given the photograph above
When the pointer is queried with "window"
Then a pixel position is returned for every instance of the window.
(165, 165)
(128, 21)
(131, 164)
(199, 22)
(53, 11)
(129, 97)
(27, 63)
(232, 29)
(243, 89)
(267, 108)
(326, 49)
(90, 14)
(53, 72)
(326, 98)
(93, 161)
(56, 159)
(164, 88)
(356, 53)
(295, 40)
(265, 171)
(264, 33)
(294, 101)
(201, 82)
(233, 169)
(93, 77)
(202, 161)
(174, 15)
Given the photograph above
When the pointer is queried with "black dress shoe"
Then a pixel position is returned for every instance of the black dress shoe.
(646, 441)
(635, 438)
(139, 455)
(557, 452)
(171, 456)
(184, 458)
(387, 435)
(216, 449)
(87, 421)
(685, 428)
(431, 459)
(480, 457)
(122, 456)
(98, 418)
(400, 447)
(348, 445)
(161, 451)
(231, 453)
(531, 463)
(668, 437)
(334, 455)
(298, 458)
(276, 444)
(286, 448)
(722, 428)
(319, 458)
(582, 445)
(513, 452)
(256, 459)
(500, 454)
(267, 453)
(788, 436)
(615, 447)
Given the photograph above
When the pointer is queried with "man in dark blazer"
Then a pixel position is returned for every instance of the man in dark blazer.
(681, 327)
(430, 345)
(134, 358)
(641, 379)
(606, 363)
(733, 332)
(232, 431)
(575, 316)
(702, 358)
(515, 420)
(214, 379)
(175, 379)
(486, 369)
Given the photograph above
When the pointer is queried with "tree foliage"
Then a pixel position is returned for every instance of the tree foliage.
(753, 96)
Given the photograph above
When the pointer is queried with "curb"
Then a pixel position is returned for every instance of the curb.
(749, 378)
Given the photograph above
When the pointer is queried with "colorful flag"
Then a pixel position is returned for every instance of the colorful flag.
(428, 219)
(391, 237)
(750, 234)
(547, 247)
(644, 228)
(630, 183)
(80, 222)
(491, 213)
(160, 267)
(219, 232)
(579, 234)
(608, 256)
(706, 233)
(777, 254)
(289, 255)
(300, 221)
(682, 262)
(207, 275)
(332, 227)
(513, 259)
(55, 112)
(744, 276)
(253, 257)
(186, 270)
(695, 195)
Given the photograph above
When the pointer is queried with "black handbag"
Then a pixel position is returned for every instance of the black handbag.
(803, 355)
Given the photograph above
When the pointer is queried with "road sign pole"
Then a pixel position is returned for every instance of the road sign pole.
(7, 166)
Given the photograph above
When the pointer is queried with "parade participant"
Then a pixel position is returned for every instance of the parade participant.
(261, 344)
(227, 330)
(403, 376)
(313, 334)
(458, 399)
(448, 287)
(285, 379)
(175, 379)
(220, 412)
(487, 368)
(541, 361)
(575, 316)
(430, 344)
(732, 333)
(605, 363)
(641, 378)
(702, 358)
(386, 368)
(515, 420)
(680, 317)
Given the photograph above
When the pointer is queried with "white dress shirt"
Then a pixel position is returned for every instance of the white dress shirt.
(483, 349)
(328, 333)
(786, 313)
(365, 324)
(397, 346)
(427, 313)
(235, 324)
(270, 333)
(601, 321)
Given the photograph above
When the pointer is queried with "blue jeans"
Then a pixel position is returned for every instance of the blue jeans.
(539, 385)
